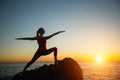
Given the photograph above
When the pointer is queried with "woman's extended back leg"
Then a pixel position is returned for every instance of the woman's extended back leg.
(35, 57)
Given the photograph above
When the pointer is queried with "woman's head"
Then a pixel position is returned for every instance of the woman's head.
(41, 30)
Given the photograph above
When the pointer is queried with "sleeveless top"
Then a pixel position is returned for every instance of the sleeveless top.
(42, 44)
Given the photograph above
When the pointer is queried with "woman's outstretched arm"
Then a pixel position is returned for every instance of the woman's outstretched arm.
(27, 38)
(47, 37)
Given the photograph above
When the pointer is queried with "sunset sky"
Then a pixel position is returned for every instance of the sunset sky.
(92, 28)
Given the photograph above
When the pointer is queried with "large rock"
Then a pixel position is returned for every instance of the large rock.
(67, 69)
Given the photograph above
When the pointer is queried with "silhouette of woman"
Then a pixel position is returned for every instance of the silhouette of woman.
(42, 50)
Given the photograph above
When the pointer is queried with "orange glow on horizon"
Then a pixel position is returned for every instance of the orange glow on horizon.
(50, 58)
(99, 59)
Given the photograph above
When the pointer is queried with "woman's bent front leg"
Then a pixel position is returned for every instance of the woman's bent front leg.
(54, 49)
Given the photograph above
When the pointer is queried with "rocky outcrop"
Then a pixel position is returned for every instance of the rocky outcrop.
(67, 69)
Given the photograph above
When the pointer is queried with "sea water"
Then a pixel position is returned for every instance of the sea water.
(101, 70)
(91, 70)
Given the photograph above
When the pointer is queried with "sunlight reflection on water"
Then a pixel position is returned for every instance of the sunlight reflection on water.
(101, 71)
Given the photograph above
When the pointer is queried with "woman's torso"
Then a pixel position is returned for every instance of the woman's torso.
(42, 43)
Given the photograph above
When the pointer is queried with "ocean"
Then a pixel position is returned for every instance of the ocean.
(91, 70)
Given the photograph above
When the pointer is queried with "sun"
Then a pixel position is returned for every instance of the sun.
(99, 59)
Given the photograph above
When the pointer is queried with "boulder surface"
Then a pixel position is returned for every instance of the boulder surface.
(67, 69)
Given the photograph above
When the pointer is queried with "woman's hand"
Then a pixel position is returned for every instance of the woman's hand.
(61, 31)
(54, 34)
